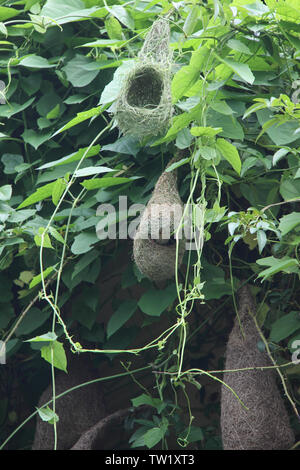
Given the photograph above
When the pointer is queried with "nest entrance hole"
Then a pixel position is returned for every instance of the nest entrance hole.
(146, 89)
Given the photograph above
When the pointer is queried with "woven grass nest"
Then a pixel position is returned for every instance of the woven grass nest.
(144, 106)
(265, 425)
(154, 246)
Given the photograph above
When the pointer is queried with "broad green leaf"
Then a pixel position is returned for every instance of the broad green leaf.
(81, 70)
(105, 182)
(185, 78)
(261, 240)
(85, 261)
(33, 319)
(83, 242)
(243, 70)
(285, 264)
(153, 437)
(174, 165)
(279, 155)
(37, 279)
(73, 157)
(8, 12)
(55, 353)
(113, 28)
(36, 139)
(47, 337)
(205, 131)
(144, 399)
(230, 153)
(39, 195)
(289, 222)
(121, 316)
(191, 20)
(105, 43)
(154, 301)
(10, 161)
(5, 192)
(58, 189)
(81, 117)
(285, 326)
(239, 46)
(54, 113)
(42, 240)
(290, 189)
(122, 15)
(14, 108)
(91, 170)
(48, 415)
(36, 61)
(221, 107)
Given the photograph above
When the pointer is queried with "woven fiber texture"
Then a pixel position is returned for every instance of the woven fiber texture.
(144, 106)
(265, 425)
(154, 246)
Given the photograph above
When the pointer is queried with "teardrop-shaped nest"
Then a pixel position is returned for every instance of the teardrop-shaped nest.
(144, 106)
(156, 239)
(265, 425)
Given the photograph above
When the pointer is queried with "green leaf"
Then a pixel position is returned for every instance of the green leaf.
(144, 399)
(113, 28)
(122, 15)
(121, 316)
(185, 78)
(153, 437)
(105, 43)
(5, 192)
(14, 108)
(81, 70)
(154, 301)
(58, 189)
(48, 415)
(243, 70)
(55, 353)
(289, 222)
(85, 261)
(36, 61)
(174, 165)
(83, 242)
(290, 189)
(285, 326)
(205, 131)
(47, 337)
(91, 170)
(73, 157)
(231, 154)
(10, 161)
(106, 182)
(33, 319)
(239, 46)
(39, 195)
(54, 113)
(81, 117)
(8, 12)
(35, 138)
(285, 264)
(42, 240)
(261, 240)
(37, 279)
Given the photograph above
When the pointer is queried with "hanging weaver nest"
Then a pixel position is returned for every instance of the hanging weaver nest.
(265, 424)
(144, 106)
(154, 246)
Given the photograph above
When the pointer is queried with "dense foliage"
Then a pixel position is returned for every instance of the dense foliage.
(235, 88)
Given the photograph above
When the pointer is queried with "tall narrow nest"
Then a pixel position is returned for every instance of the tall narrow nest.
(265, 425)
(154, 246)
(144, 106)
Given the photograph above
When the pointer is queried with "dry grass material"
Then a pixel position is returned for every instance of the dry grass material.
(77, 411)
(154, 246)
(144, 106)
(265, 425)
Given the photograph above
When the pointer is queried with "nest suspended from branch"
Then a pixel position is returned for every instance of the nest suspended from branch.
(144, 106)
(265, 425)
(154, 246)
